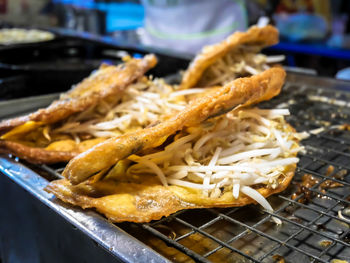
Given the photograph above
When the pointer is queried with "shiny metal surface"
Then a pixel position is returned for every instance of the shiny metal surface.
(15, 107)
(106, 234)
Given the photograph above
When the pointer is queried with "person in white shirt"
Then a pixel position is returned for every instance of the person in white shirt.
(188, 25)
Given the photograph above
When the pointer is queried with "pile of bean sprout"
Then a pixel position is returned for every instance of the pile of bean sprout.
(242, 62)
(142, 104)
(233, 152)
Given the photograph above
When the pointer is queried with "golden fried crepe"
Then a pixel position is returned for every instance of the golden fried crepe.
(28, 137)
(239, 93)
(35, 154)
(236, 56)
(258, 166)
(106, 83)
(144, 199)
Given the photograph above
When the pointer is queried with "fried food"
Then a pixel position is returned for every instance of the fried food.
(143, 103)
(28, 137)
(55, 152)
(35, 154)
(236, 56)
(239, 93)
(146, 199)
(107, 83)
(138, 196)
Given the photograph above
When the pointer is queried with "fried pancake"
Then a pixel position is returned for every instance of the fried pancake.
(142, 198)
(59, 151)
(254, 37)
(35, 154)
(106, 84)
(238, 93)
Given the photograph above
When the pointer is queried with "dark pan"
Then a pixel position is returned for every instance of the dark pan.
(56, 66)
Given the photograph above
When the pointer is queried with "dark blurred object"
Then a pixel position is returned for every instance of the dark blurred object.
(81, 18)
(303, 19)
(4, 24)
(255, 10)
(313, 34)
(42, 68)
(3, 6)
(52, 67)
(325, 60)
(301, 26)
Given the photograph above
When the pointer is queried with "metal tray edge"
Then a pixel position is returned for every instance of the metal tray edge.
(120, 244)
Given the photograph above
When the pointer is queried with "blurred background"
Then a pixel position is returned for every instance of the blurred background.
(315, 34)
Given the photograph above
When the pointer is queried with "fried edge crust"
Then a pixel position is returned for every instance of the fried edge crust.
(108, 82)
(265, 36)
(34, 154)
(238, 93)
(144, 199)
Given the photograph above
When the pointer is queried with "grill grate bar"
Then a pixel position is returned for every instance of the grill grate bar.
(330, 196)
(215, 249)
(341, 166)
(323, 252)
(310, 125)
(175, 244)
(310, 223)
(324, 176)
(185, 235)
(280, 243)
(303, 227)
(165, 219)
(60, 170)
(51, 171)
(335, 139)
(224, 244)
(211, 222)
(240, 235)
(311, 208)
(329, 150)
(296, 233)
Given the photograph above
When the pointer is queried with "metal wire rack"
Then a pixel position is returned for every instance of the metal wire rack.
(316, 222)
(312, 230)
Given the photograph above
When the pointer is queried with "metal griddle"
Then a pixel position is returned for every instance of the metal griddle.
(311, 231)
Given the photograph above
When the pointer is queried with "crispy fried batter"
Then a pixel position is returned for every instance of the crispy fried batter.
(255, 36)
(142, 198)
(106, 84)
(241, 92)
(59, 151)
(34, 154)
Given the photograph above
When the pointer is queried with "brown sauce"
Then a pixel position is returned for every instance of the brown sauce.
(329, 183)
(308, 181)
